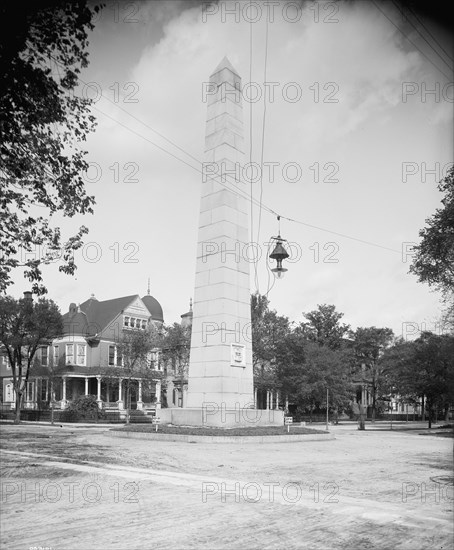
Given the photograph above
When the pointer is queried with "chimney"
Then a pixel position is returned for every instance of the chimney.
(72, 309)
(28, 295)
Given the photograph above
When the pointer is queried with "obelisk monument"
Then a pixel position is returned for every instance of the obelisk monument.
(220, 377)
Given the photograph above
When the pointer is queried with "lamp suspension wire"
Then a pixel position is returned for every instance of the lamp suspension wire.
(251, 147)
(262, 151)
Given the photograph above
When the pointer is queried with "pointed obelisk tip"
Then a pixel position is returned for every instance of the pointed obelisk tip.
(225, 64)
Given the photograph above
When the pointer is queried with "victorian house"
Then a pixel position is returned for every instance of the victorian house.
(86, 359)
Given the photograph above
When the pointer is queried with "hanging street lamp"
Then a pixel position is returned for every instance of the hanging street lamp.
(279, 253)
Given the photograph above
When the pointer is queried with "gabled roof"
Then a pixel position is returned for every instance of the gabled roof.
(95, 316)
(100, 314)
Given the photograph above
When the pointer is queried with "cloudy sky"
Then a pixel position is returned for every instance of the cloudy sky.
(353, 130)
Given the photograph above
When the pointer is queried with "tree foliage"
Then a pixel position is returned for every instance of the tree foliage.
(369, 344)
(323, 326)
(424, 368)
(24, 326)
(43, 49)
(269, 331)
(175, 344)
(433, 262)
(134, 348)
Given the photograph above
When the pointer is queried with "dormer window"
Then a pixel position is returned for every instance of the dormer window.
(126, 322)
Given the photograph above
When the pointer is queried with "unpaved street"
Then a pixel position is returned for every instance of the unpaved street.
(79, 487)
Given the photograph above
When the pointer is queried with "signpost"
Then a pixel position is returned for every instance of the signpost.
(156, 420)
(288, 420)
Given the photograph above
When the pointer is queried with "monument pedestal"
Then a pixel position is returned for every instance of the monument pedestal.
(218, 417)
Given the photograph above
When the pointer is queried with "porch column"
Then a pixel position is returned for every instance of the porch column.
(86, 385)
(120, 400)
(255, 398)
(267, 399)
(277, 400)
(286, 404)
(98, 398)
(139, 401)
(47, 390)
(158, 394)
(63, 401)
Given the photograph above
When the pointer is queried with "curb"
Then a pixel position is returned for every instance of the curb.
(221, 439)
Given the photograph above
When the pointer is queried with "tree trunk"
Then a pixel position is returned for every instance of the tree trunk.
(18, 402)
(447, 413)
(429, 406)
(128, 403)
(52, 402)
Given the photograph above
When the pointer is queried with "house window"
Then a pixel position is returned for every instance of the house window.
(81, 354)
(137, 323)
(44, 356)
(144, 324)
(112, 353)
(115, 358)
(56, 352)
(69, 353)
(153, 360)
(5, 362)
(29, 392)
(126, 322)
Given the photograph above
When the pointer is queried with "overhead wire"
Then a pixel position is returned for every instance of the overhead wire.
(263, 137)
(428, 31)
(425, 39)
(409, 40)
(237, 191)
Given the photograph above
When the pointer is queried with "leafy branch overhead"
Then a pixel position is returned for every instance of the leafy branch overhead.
(43, 49)
(433, 262)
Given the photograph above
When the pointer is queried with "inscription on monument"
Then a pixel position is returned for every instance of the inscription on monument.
(238, 355)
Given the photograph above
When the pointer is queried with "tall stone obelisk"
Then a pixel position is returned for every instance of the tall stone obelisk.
(220, 377)
(220, 369)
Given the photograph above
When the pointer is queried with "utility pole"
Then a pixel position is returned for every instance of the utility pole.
(326, 409)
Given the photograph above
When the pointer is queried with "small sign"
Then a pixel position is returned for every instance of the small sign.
(288, 420)
(155, 420)
(237, 355)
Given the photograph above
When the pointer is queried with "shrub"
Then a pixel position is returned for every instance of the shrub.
(85, 407)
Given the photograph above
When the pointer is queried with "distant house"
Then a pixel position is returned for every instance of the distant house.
(87, 348)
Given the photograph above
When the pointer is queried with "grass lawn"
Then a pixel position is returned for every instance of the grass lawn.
(222, 432)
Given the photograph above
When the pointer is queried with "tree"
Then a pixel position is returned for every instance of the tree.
(134, 347)
(24, 326)
(324, 327)
(424, 369)
(175, 344)
(369, 345)
(43, 49)
(433, 262)
(269, 330)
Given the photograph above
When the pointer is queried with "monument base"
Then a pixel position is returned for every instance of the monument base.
(221, 418)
